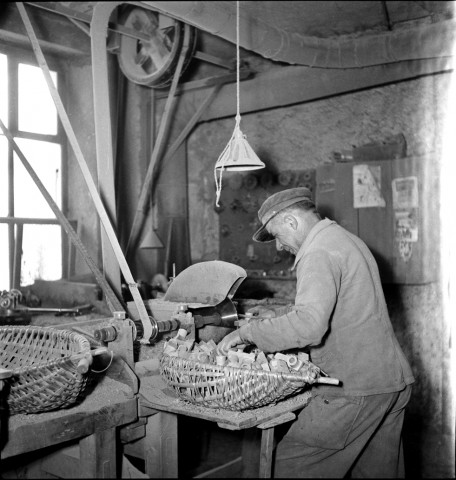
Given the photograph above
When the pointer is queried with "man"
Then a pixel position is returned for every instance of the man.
(340, 317)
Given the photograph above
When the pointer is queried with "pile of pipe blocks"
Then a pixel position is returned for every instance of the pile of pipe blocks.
(207, 352)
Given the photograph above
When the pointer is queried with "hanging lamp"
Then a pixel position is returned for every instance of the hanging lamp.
(151, 240)
(238, 155)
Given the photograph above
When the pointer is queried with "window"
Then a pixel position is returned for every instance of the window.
(30, 235)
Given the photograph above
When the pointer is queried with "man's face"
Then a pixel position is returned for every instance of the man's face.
(285, 235)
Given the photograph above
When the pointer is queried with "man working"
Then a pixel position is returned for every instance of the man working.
(340, 317)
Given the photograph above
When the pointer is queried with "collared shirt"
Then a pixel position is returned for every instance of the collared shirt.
(340, 316)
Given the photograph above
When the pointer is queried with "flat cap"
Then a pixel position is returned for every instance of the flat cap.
(276, 203)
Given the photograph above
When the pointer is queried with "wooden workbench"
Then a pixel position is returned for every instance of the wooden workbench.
(91, 424)
(162, 406)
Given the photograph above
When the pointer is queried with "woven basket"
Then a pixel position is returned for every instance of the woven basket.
(44, 365)
(231, 388)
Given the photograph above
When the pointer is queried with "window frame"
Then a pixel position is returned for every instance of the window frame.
(17, 55)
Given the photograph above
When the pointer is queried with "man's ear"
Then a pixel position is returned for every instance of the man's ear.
(291, 220)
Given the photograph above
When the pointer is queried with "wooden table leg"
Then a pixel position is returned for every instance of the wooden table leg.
(250, 453)
(160, 446)
(267, 448)
(267, 442)
(98, 455)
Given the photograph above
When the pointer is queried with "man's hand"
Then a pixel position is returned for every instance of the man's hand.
(232, 340)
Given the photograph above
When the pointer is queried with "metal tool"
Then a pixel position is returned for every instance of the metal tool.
(19, 311)
(223, 315)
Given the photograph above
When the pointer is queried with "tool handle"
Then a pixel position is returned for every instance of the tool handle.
(4, 373)
(328, 380)
(85, 362)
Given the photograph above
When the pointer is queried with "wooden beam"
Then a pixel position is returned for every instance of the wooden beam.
(293, 85)
(18, 256)
(208, 82)
(49, 47)
(103, 135)
(34, 221)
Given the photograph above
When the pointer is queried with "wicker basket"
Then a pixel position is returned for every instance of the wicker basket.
(44, 364)
(232, 388)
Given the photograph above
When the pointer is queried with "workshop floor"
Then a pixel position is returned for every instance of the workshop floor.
(203, 447)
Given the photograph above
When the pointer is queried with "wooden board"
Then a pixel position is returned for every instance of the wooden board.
(156, 394)
(106, 406)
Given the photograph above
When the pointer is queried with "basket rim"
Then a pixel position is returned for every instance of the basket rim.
(293, 377)
(60, 362)
(64, 332)
(284, 384)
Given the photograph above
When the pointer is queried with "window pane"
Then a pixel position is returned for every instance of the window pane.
(4, 259)
(3, 89)
(37, 112)
(41, 253)
(45, 159)
(3, 176)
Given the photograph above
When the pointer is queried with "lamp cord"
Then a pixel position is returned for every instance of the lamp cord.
(218, 181)
(238, 61)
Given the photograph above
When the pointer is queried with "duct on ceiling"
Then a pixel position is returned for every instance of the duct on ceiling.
(419, 42)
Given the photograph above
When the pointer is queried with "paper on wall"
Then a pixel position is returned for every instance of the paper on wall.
(405, 192)
(367, 190)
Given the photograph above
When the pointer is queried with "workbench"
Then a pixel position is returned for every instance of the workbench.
(162, 408)
(85, 434)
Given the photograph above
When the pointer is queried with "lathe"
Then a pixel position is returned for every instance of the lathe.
(199, 299)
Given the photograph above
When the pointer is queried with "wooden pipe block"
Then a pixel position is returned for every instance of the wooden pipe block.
(278, 365)
(265, 366)
(281, 356)
(304, 357)
(220, 360)
(181, 334)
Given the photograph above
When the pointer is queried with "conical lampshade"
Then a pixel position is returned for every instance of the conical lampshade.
(151, 240)
(238, 155)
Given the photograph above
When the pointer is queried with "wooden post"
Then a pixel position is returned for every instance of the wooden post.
(18, 256)
(267, 447)
(160, 446)
(98, 455)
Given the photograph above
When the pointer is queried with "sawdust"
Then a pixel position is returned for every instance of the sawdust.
(146, 352)
(229, 416)
(104, 393)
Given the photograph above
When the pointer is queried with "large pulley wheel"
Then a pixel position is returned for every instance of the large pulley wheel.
(152, 61)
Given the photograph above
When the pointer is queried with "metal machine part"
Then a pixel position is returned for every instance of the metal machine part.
(152, 61)
(13, 304)
(209, 283)
(224, 315)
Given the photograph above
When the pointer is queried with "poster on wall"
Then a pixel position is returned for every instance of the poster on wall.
(367, 188)
(405, 207)
(405, 192)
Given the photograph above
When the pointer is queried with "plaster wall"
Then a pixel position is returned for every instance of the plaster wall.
(305, 136)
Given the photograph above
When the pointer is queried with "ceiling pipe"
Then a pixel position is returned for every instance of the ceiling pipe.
(219, 18)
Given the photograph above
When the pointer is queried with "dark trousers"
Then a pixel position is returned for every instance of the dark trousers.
(335, 436)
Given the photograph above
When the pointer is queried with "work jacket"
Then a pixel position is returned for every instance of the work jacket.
(340, 316)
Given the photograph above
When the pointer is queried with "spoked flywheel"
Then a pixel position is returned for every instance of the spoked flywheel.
(151, 59)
